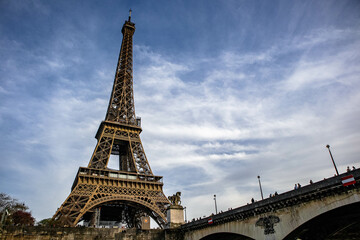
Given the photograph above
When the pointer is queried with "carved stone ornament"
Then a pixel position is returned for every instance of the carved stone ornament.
(268, 224)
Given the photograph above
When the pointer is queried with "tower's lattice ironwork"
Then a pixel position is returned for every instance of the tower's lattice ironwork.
(133, 190)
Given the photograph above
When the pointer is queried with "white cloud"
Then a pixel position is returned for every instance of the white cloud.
(234, 60)
(329, 70)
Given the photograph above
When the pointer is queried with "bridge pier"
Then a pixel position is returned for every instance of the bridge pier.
(270, 237)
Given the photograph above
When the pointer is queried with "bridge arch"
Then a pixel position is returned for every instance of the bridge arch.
(295, 220)
(343, 222)
(226, 236)
(233, 230)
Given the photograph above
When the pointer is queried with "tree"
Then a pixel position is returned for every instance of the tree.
(49, 222)
(45, 222)
(22, 218)
(11, 204)
(14, 212)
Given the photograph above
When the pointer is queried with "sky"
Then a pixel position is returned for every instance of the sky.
(226, 90)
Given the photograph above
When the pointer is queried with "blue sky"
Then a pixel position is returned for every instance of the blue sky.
(227, 91)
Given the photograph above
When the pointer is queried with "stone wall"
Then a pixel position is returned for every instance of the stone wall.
(47, 233)
(82, 233)
(136, 234)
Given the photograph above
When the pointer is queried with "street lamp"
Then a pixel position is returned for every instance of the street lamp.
(185, 214)
(262, 197)
(328, 146)
(215, 203)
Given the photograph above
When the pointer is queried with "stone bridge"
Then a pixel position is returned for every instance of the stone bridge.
(323, 210)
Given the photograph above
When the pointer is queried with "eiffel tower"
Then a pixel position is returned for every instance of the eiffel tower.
(132, 192)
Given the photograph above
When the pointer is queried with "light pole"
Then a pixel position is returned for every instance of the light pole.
(328, 146)
(262, 196)
(185, 214)
(215, 203)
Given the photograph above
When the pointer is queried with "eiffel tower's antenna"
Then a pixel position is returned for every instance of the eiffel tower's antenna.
(130, 15)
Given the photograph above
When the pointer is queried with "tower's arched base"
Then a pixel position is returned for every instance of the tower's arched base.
(117, 213)
(94, 188)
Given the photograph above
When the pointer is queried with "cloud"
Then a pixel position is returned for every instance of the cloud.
(231, 60)
(335, 68)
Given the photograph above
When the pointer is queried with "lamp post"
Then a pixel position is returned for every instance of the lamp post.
(185, 214)
(328, 146)
(215, 203)
(262, 196)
